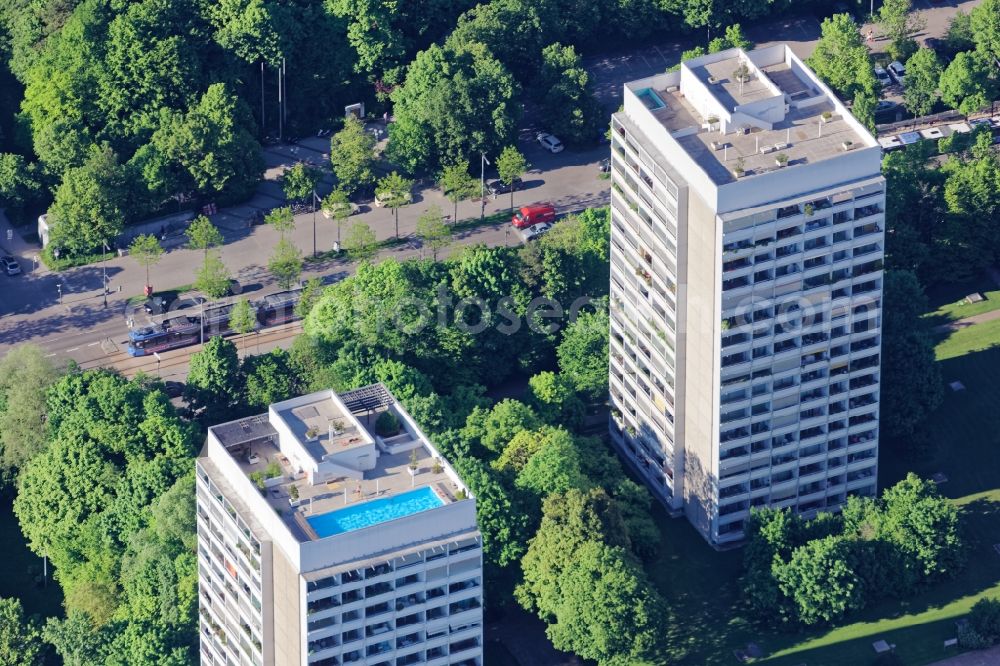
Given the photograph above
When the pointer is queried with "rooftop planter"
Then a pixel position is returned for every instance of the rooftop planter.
(847, 145)
(781, 159)
(827, 116)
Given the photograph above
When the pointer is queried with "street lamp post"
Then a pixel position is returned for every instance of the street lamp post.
(315, 198)
(59, 289)
(104, 270)
(482, 186)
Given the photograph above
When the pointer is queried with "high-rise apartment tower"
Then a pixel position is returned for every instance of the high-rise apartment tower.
(747, 212)
(331, 532)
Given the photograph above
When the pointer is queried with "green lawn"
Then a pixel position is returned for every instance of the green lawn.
(701, 584)
(948, 301)
(19, 566)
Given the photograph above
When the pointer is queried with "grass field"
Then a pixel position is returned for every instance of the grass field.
(702, 585)
(19, 566)
(948, 302)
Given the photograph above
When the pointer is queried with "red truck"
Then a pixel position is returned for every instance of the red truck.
(530, 215)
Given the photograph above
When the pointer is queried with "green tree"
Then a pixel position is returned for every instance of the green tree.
(555, 467)
(457, 184)
(360, 242)
(864, 109)
(569, 107)
(959, 36)
(270, 378)
(900, 25)
(820, 581)
(394, 191)
(579, 576)
(511, 29)
(457, 101)
(583, 354)
(495, 428)
(281, 219)
(841, 58)
(254, 30)
(203, 235)
(20, 637)
(337, 206)
(352, 156)
(311, 293)
(18, 181)
(146, 250)
(212, 145)
(923, 71)
(966, 83)
(214, 385)
(925, 526)
(984, 619)
(985, 27)
(432, 231)
(25, 376)
(242, 320)
(299, 182)
(89, 208)
(212, 279)
(911, 380)
(285, 263)
(554, 398)
(511, 165)
(75, 639)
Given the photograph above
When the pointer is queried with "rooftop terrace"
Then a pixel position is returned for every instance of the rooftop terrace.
(743, 109)
(323, 452)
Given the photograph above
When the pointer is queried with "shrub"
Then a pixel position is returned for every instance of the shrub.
(984, 619)
(387, 424)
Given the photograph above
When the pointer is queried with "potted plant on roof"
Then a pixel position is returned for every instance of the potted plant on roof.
(847, 145)
(312, 432)
(413, 465)
(742, 73)
(438, 468)
(781, 159)
(293, 495)
(739, 168)
(712, 121)
(827, 116)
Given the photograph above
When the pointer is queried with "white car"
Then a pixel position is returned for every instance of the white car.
(897, 71)
(534, 231)
(549, 142)
(883, 77)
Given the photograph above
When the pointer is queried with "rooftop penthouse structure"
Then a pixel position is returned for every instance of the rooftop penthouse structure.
(327, 539)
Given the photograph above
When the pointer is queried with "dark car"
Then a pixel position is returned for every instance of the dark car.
(495, 187)
(10, 265)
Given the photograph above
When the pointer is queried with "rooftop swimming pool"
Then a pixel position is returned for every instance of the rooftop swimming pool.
(650, 99)
(374, 512)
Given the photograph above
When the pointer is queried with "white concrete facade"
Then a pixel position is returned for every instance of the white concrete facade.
(746, 284)
(273, 592)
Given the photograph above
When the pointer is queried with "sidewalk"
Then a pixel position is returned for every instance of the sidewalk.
(12, 243)
(990, 657)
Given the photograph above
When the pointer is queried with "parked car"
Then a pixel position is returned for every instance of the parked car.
(382, 197)
(549, 142)
(885, 106)
(10, 265)
(352, 209)
(883, 77)
(495, 187)
(897, 71)
(605, 165)
(531, 215)
(534, 231)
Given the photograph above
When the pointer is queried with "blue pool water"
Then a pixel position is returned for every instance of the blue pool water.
(650, 99)
(374, 512)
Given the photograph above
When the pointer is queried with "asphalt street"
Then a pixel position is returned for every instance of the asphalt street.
(64, 312)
